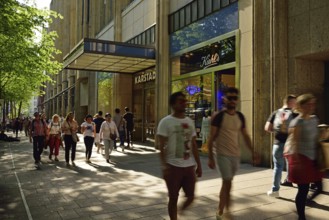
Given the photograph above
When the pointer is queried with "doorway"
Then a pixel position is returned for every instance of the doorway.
(223, 80)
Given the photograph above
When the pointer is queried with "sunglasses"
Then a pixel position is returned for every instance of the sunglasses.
(232, 98)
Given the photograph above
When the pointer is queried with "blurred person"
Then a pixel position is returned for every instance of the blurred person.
(178, 153)
(98, 122)
(88, 129)
(4, 137)
(108, 134)
(224, 148)
(16, 126)
(26, 124)
(38, 133)
(120, 123)
(302, 159)
(70, 128)
(129, 119)
(54, 129)
(278, 123)
(205, 126)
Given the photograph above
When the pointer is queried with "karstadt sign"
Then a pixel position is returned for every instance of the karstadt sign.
(145, 77)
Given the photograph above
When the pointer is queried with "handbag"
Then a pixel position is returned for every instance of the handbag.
(113, 136)
(75, 137)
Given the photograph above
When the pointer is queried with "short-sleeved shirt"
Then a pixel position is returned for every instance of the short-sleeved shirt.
(179, 132)
(308, 136)
(129, 117)
(38, 127)
(280, 136)
(227, 140)
(98, 122)
(89, 129)
(55, 128)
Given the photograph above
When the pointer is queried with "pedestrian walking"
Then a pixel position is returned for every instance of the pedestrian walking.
(224, 147)
(88, 129)
(38, 133)
(16, 126)
(108, 134)
(129, 118)
(98, 122)
(54, 129)
(278, 123)
(178, 154)
(301, 151)
(26, 125)
(70, 128)
(120, 123)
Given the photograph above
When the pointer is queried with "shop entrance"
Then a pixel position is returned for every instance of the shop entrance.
(223, 80)
(144, 114)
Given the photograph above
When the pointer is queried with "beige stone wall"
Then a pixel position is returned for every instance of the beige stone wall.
(177, 4)
(308, 47)
(246, 65)
(139, 16)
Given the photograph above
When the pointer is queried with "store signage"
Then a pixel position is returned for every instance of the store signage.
(145, 77)
(209, 60)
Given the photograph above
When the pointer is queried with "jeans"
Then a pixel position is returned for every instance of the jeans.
(108, 145)
(129, 136)
(278, 161)
(38, 145)
(89, 141)
(69, 144)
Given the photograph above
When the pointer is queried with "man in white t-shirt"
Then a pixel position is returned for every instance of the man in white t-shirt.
(178, 153)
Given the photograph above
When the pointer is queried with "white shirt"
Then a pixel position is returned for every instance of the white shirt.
(179, 146)
(55, 128)
(108, 128)
(89, 129)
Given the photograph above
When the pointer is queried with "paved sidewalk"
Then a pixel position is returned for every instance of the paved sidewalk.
(130, 188)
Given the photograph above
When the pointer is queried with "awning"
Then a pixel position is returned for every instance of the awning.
(109, 56)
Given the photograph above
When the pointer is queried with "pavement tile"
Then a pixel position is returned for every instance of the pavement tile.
(132, 188)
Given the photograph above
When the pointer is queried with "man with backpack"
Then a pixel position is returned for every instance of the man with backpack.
(38, 132)
(224, 132)
(278, 123)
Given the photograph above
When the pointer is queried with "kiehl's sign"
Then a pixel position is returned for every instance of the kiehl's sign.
(145, 77)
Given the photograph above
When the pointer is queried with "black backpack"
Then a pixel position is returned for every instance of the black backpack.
(220, 117)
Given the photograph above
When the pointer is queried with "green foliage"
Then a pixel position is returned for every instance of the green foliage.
(27, 50)
(105, 88)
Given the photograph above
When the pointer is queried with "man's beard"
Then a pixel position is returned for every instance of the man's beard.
(230, 107)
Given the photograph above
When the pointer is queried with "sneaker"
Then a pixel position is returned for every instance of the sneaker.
(50, 158)
(286, 183)
(272, 193)
(108, 161)
(56, 159)
(67, 164)
(88, 161)
(219, 216)
(73, 164)
(37, 166)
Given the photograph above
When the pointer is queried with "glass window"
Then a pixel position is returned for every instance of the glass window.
(143, 38)
(200, 9)
(181, 18)
(208, 7)
(171, 23)
(198, 91)
(194, 11)
(225, 3)
(153, 34)
(176, 21)
(188, 15)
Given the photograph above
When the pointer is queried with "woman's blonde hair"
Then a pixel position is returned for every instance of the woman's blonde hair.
(68, 115)
(55, 116)
(302, 99)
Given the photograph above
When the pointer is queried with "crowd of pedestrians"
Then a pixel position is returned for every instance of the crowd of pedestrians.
(295, 147)
(63, 132)
(181, 164)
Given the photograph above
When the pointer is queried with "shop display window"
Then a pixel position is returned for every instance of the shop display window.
(198, 91)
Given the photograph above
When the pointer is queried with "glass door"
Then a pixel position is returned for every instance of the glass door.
(223, 80)
(149, 115)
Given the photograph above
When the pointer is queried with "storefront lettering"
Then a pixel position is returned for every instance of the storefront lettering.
(145, 77)
(209, 60)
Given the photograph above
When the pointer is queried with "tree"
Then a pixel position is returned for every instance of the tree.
(27, 51)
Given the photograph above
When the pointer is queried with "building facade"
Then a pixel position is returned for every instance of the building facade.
(136, 53)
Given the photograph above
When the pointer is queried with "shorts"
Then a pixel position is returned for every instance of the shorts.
(180, 177)
(97, 139)
(227, 166)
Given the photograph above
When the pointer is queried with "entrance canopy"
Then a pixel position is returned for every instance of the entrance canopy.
(109, 56)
